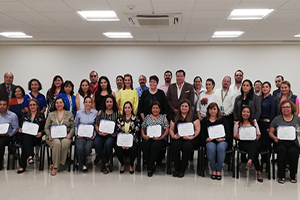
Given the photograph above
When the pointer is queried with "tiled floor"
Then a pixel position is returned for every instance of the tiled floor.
(35, 184)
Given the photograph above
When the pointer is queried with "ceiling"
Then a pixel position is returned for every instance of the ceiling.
(57, 21)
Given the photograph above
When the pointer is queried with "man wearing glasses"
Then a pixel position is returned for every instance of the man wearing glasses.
(238, 77)
(278, 81)
(94, 81)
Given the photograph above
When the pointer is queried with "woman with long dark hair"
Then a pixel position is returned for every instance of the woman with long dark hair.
(56, 88)
(101, 93)
(83, 91)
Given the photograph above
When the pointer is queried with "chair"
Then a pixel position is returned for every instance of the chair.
(231, 165)
(11, 151)
(262, 152)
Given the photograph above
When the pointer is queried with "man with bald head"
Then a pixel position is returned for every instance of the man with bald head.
(7, 87)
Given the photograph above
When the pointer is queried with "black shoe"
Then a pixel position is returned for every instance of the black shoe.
(97, 159)
(175, 174)
(131, 172)
(150, 173)
(219, 177)
(181, 175)
(21, 171)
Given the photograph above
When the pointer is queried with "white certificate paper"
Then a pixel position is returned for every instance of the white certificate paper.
(30, 128)
(186, 129)
(216, 131)
(286, 133)
(85, 130)
(59, 131)
(106, 126)
(4, 128)
(247, 133)
(124, 140)
(154, 131)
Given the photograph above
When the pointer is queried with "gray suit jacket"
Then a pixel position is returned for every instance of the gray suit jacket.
(187, 92)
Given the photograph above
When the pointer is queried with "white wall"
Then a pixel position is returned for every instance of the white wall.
(74, 62)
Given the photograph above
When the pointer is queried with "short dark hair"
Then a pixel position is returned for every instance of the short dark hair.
(153, 77)
(258, 81)
(93, 72)
(39, 83)
(87, 97)
(14, 91)
(127, 102)
(181, 70)
(69, 83)
(293, 106)
(120, 76)
(239, 71)
(6, 100)
(168, 71)
(65, 108)
(155, 103)
(279, 76)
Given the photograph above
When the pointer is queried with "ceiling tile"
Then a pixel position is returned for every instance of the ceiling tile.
(48, 6)
(12, 6)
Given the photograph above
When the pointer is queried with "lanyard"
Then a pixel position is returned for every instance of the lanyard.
(224, 96)
(8, 90)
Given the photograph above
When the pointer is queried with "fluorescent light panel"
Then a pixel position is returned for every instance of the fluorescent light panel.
(297, 35)
(15, 35)
(227, 34)
(118, 34)
(107, 15)
(249, 14)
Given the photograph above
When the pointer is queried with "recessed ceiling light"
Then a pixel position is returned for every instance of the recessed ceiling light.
(118, 35)
(297, 35)
(249, 14)
(107, 15)
(15, 35)
(227, 34)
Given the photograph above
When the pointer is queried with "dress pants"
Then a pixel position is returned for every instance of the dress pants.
(4, 141)
(186, 147)
(132, 152)
(28, 143)
(104, 147)
(151, 149)
(252, 148)
(60, 149)
(287, 151)
(83, 149)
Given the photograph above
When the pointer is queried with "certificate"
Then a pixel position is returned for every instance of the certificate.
(59, 131)
(124, 140)
(30, 128)
(186, 129)
(216, 131)
(85, 130)
(154, 131)
(247, 133)
(4, 128)
(106, 126)
(286, 133)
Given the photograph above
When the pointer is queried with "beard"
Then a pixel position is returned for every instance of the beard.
(167, 80)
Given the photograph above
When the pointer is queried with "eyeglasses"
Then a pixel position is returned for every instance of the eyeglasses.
(93, 76)
(32, 105)
(286, 107)
(239, 75)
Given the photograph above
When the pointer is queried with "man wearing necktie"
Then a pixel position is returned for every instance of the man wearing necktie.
(7, 88)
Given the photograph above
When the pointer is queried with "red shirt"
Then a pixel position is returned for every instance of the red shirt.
(94, 88)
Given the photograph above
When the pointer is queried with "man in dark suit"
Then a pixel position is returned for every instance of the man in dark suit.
(178, 91)
(7, 87)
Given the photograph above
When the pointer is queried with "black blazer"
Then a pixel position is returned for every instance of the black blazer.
(3, 92)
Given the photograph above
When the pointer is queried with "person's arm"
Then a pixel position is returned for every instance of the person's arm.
(235, 109)
(119, 100)
(165, 126)
(15, 125)
(257, 108)
(231, 106)
(72, 125)
(191, 94)
(77, 122)
(141, 106)
(236, 131)
(93, 102)
(228, 133)
(273, 108)
(297, 106)
(136, 102)
(113, 93)
(77, 102)
(272, 135)
(258, 134)
(169, 95)
(43, 104)
(197, 128)
(172, 128)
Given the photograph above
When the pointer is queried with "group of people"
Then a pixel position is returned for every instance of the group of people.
(181, 113)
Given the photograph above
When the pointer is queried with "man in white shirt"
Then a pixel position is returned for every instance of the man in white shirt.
(238, 77)
(168, 78)
(119, 83)
(257, 87)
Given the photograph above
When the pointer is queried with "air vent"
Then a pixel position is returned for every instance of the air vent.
(154, 20)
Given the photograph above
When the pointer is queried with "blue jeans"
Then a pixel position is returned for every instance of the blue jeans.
(212, 149)
(83, 149)
(104, 147)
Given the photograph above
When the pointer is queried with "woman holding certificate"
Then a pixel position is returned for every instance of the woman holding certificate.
(155, 129)
(128, 123)
(246, 130)
(85, 132)
(283, 132)
(32, 135)
(128, 94)
(183, 130)
(216, 134)
(105, 124)
(59, 131)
